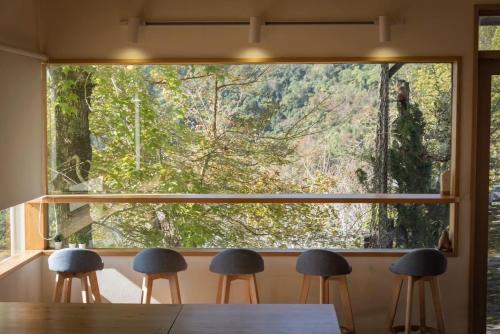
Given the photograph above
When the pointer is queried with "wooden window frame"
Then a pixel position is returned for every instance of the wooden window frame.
(36, 235)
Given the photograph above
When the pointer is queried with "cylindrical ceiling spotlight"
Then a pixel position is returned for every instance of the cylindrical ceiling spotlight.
(255, 30)
(384, 29)
(133, 29)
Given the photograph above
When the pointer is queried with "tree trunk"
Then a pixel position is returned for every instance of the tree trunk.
(73, 89)
(381, 157)
(380, 219)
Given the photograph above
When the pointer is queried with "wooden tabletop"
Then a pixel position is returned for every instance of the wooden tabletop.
(262, 319)
(29, 318)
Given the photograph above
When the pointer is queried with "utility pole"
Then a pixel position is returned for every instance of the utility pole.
(137, 132)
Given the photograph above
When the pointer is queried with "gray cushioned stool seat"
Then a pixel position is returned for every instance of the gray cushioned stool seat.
(75, 260)
(421, 262)
(322, 262)
(159, 260)
(237, 262)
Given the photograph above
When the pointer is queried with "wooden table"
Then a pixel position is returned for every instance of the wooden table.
(28, 318)
(262, 319)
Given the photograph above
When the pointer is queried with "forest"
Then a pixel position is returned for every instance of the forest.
(254, 128)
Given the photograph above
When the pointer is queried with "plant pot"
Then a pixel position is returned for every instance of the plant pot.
(82, 246)
(58, 244)
(72, 245)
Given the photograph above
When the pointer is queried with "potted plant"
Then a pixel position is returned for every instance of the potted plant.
(58, 241)
(72, 240)
(82, 239)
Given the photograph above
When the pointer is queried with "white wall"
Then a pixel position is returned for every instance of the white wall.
(21, 117)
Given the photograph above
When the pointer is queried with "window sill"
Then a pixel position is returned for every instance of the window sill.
(263, 252)
(249, 198)
(16, 261)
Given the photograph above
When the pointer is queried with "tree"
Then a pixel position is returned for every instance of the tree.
(72, 87)
(410, 168)
(381, 159)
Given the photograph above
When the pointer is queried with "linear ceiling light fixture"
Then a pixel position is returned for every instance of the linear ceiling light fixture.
(254, 30)
(384, 29)
(255, 25)
(133, 29)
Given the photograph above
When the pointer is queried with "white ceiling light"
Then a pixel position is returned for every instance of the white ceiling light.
(133, 29)
(254, 31)
(384, 29)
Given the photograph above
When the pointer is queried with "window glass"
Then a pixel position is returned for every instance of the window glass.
(274, 128)
(489, 33)
(248, 225)
(4, 234)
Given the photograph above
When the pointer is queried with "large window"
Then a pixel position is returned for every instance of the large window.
(244, 129)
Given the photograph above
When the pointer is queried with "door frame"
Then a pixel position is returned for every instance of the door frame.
(486, 64)
(479, 247)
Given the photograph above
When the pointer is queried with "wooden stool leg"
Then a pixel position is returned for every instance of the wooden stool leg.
(346, 302)
(85, 288)
(396, 293)
(421, 291)
(322, 293)
(249, 290)
(219, 290)
(226, 285)
(327, 291)
(58, 288)
(143, 289)
(94, 286)
(409, 299)
(436, 297)
(254, 292)
(175, 293)
(147, 287)
(304, 292)
(69, 283)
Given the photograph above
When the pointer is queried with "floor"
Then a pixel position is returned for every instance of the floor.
(494, 271)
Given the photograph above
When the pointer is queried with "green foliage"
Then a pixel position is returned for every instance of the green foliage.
(411, 170)
(73, 239)
(82, 238)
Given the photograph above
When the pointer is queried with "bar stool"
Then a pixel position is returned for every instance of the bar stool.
(76, 263)
(422, 265)
(158, 263)
(329, 266)
(237, 264)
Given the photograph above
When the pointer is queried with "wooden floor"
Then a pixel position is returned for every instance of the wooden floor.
(28, 318)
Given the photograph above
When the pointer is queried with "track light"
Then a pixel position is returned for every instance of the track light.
(133, 29)
(255, 30)
(384, 29)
